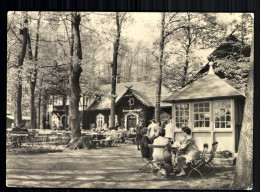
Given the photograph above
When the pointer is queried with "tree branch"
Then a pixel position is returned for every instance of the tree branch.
(16, 36)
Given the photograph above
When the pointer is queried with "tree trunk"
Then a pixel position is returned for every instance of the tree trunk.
(159, 78)
(244, 168)
(43, 108)
(33, 77)
(39, 105)
(114, 72)
(75, 72)
(18, 111)
(184, 79)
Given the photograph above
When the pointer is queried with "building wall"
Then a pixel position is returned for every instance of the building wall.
(214, 121)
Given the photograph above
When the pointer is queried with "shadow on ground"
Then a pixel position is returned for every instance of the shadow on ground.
(115, 167)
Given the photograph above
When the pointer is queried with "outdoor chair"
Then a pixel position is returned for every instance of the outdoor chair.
(162, 167)
(203, 161)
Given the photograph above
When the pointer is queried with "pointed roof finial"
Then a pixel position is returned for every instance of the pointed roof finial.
(211, 70)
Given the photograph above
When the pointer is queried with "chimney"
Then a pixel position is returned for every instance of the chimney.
(211, 70)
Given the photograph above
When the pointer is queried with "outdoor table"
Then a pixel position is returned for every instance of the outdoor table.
(42, 138)
(18, 137)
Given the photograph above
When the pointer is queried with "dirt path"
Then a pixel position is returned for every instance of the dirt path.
(116, 167)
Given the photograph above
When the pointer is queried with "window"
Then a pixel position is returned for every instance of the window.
(222, 114)
(201, 115)
(100, 120)
(181, 115)
(131, 101)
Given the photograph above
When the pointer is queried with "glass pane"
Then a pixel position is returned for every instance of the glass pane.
(201, 116)
(177, 119)
(228, 125)
(206, 118)
(177, 107)
(201, 109)
(181, 113)
(216, 125)
(177, 113)
(196, 124)
(222, 124)
(206, 123)
(206, 109)
(182, 107)
(201, 105)
(196, 116)
(186, 113)
(187, 106)
(206, 104)
(195, 109)
(177, 125)
(202, 124)
(228, 118)
(222, 118)
(228, 112)
(195, 105)
(216, 119)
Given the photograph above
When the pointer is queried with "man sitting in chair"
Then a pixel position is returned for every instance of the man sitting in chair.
(188, 151)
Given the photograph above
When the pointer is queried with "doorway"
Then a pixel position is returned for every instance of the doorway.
(131, 120)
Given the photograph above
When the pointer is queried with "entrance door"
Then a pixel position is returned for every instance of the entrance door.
(131, 121)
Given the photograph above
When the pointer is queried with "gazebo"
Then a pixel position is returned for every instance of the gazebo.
(213, 110)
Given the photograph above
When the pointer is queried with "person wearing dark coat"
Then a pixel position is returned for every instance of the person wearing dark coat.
(139, 134)
(146, 151)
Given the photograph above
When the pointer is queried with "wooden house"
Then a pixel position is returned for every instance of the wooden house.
(134, 101)
(213, 110)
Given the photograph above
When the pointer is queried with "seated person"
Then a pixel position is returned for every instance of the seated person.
(146, 151)
(113, 134)
(131, 133)
(188, 150)
(162, 154)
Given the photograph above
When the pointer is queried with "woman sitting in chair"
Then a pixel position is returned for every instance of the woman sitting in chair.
(188, 151)
(162, 153)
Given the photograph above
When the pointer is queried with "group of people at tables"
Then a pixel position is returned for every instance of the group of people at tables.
(177, 152)
(110, 134)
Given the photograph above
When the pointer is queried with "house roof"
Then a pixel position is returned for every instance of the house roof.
(145, 92)
(209, 86)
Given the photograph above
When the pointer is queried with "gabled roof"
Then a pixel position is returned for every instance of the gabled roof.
(145, 92)
(209, 86)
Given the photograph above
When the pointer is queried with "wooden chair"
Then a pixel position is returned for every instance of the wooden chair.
(202, 161)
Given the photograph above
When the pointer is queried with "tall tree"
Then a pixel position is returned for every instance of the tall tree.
(75, 72)
(119, 20)
(159, 78)
(168, 27)
(21, 56)
(243, 178)
(33, 74)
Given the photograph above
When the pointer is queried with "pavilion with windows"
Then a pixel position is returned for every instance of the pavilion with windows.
(213, 110)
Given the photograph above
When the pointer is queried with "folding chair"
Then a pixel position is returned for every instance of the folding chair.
(202, 161)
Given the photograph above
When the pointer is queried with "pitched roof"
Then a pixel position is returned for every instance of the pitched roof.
(209, 86)
(145, 92)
